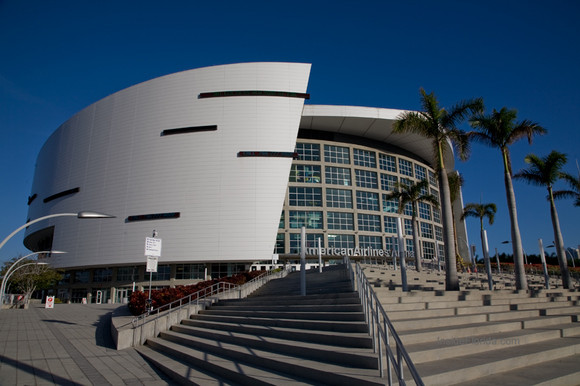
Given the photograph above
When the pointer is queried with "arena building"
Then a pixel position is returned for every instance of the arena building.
(226, 164)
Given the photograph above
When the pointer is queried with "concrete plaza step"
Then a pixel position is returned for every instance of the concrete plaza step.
(482, 337)
(276, 336)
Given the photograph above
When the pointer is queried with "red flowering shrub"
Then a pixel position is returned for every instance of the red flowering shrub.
(138, 301)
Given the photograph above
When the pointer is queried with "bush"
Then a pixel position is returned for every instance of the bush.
(138, 301)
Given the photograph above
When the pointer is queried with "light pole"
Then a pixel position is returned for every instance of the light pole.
(523, 250)
(14, 267)
(567, 253)
(11, 273)
(471, 257)
(83, 214)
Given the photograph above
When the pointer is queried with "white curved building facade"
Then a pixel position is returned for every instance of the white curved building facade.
(210, 158)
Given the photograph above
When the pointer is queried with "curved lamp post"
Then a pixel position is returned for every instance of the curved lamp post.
(11, 273)
(77, 215)
(83, 214)
(14, 267)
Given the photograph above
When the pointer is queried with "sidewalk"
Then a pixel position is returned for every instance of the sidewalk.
(68, 345)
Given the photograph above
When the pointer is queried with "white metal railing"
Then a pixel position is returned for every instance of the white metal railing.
(223, 288)
(382, 331)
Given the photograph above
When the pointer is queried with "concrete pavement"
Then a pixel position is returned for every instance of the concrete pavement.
(68, 345)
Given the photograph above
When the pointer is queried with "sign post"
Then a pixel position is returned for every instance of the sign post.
(49, 302)
(152, 252)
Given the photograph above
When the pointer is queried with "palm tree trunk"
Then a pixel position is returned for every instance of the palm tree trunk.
(519, 268)
(559, 241)
(451, 279)
(416, 241)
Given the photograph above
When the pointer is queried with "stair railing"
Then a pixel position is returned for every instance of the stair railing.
(223, 288)
(382, 330)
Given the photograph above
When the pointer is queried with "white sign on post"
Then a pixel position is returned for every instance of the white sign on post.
(49, 302)
(152, 247)
(152, 263)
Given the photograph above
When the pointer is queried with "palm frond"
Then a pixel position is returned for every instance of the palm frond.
(543, 171)
(525, 129)
(460, 111)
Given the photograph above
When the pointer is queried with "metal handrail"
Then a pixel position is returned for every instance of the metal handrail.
(382, 330)
(201, 295)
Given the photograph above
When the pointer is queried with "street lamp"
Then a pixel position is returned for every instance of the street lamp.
(83, 214)
(523, 250)
(14, 267)
(567, 252)
(22, 266)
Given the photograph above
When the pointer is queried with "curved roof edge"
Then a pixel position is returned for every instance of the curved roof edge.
(372, 123)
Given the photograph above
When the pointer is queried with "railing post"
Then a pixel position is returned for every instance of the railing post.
(387, 348)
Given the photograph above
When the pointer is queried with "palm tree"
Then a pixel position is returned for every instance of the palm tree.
(456, 182)
(545, 172)
(574, 193)
(480, 211)
(499, 129)
(440, 126)
(413, 193)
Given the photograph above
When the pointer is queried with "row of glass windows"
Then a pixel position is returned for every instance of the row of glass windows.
(342, 198)
(348, 241)
(342, 176)
(344, 221)
(131, 273)
(364, 158)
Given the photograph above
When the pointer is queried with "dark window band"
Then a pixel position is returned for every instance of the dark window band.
(154, 216)
(185, 130)
(62, 194)
(274, 154)
(32, 198)
(221, 94)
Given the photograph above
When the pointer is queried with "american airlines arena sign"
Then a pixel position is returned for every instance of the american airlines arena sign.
(360, 252)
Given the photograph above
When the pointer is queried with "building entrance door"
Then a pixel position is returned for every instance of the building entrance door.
(122, 295)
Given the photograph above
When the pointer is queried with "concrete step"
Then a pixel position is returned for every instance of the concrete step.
(346, 339)
(290, 308)
(457, 347)
(569, 310)
(414, 324)
(420, 314)
(559, 372)
(180, 372)
(436, 334)
(273, 363)
(478, 365)
(182, 362)
(545, 321)
(540, 305)
(324, 325)
(289, 315)
(530, 300)
(338, 298)
(349, 356)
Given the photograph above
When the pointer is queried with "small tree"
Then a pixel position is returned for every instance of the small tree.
(480, 211)
(28, 276)
(413, 194)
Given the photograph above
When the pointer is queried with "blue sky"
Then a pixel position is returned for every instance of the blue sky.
(59, 56)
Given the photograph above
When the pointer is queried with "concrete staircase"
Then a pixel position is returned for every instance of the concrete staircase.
(482, 337)
(274, 337)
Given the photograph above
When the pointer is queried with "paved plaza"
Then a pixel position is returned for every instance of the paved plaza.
(68, 345)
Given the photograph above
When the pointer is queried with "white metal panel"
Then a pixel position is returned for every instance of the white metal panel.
(113, 150)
